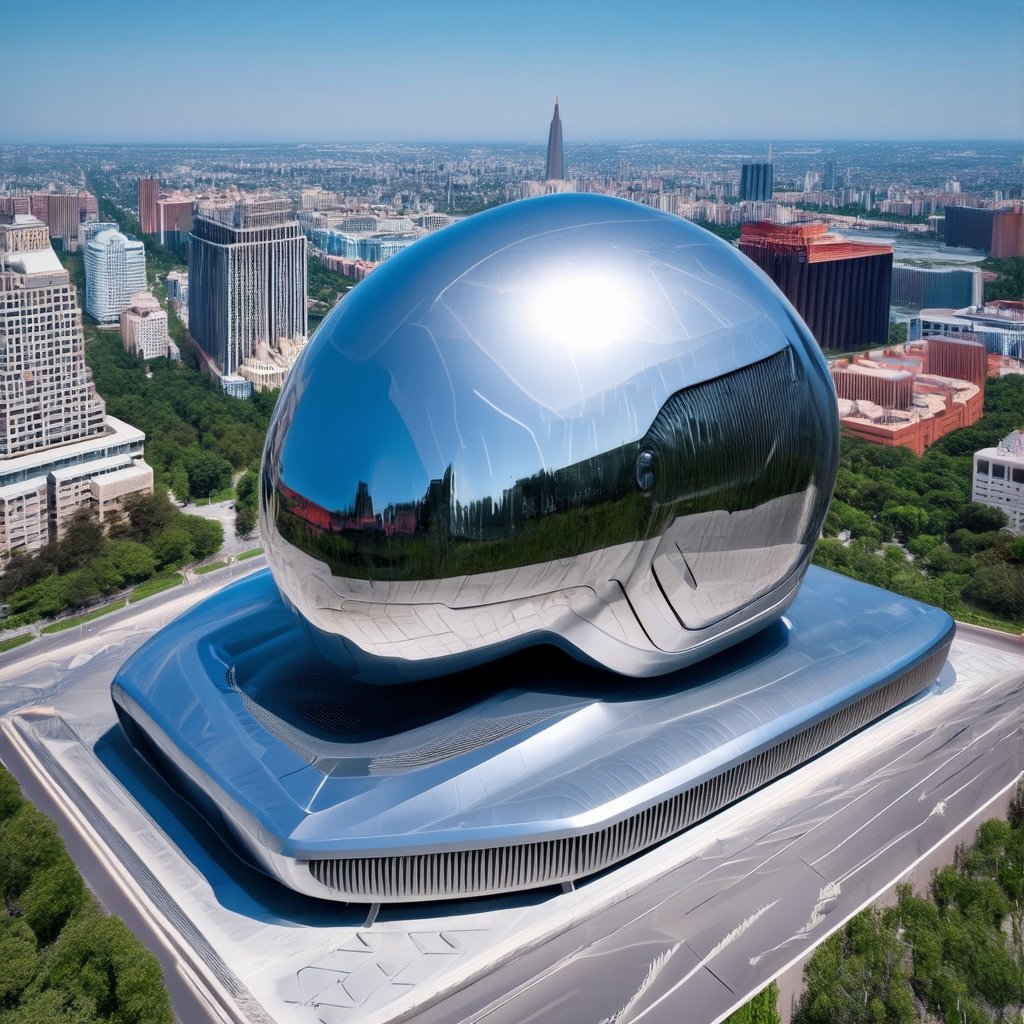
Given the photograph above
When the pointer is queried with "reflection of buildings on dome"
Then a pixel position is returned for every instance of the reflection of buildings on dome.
(840, 288)
(704, 473)
(247, 289)
(58, 452)
(911, 397)
(999, 478)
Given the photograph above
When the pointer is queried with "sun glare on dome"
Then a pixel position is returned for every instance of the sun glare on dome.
(583, 310)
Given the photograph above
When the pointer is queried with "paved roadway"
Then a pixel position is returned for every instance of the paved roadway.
(35, 670)
(715, 929)
(699, 923)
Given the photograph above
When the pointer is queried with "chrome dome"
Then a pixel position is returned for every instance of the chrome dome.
(572, 420)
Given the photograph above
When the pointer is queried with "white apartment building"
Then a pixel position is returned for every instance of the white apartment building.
(115, 269)
(58, 451)
(999, 478)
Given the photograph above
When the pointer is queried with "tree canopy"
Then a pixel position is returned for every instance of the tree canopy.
(62, 960)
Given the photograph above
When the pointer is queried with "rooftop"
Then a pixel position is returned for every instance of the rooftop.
(818, 245)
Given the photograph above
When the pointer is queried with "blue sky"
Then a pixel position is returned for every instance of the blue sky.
(140, 71)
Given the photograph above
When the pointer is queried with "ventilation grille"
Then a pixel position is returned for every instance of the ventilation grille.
(510, 868)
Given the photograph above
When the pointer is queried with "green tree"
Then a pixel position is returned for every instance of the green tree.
(206, 536)
(245, 522)
(19, 959)
(207, 472)
(178, 481)
(905, 521)
(859, 975)
(148, 515)
(52, 896)
(173, 547)
(981, 518)
(998, 586)
(100, 965)
(29, 842)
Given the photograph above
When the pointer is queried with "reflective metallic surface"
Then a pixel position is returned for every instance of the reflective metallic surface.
(538, 771)
(571, 420)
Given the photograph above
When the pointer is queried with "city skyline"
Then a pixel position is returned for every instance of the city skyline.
(469, 76)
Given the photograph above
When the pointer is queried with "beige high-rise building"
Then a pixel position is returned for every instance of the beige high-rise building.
(144, 327)
(55, 441)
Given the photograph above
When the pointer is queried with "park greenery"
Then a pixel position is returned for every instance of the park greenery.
(729, 232)
(62, 959)
(90, 563)
(324, 287)
(762, 1009)
(1009, 282)
(955, 955)
(907, 523)
(196, 436)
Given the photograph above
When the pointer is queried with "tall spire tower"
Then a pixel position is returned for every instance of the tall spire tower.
(556, 160)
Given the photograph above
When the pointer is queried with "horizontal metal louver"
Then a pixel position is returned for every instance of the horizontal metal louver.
(511, 868)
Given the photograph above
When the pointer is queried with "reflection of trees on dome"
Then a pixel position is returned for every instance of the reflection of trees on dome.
(733, 443)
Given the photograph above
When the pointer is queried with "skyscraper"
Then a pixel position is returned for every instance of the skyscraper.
(756, 182)
(247, 288)
(174, 222)
(556, 158)
(840, 288)
(62, 212)
(149, 193)
(829, 183)
(969, 227)
(115, 269)
(57, 450)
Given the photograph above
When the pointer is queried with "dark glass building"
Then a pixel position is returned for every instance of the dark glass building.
(840, 288)
(756, 182)
(968, 227)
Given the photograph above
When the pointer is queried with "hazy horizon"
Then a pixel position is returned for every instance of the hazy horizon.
(206, 75)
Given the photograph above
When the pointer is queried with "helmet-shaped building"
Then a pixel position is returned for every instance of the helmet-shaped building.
(572, 420)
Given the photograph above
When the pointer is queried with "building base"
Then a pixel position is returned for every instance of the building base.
(534, 771)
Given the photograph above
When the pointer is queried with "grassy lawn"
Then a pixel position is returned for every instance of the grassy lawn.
(224, 495)
(57, 627)
(203, 569)
(15, 641)
(987, 619)
(156, 585)
(248, 554)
